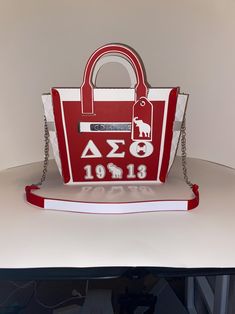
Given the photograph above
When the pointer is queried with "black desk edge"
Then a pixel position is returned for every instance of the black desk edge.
(106, 272)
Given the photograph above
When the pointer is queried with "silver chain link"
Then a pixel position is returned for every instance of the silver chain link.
(46, 152)
(184, 153)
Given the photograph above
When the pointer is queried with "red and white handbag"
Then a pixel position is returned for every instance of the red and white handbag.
(114, 135)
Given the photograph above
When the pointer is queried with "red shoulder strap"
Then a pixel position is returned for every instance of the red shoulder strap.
(115, 208)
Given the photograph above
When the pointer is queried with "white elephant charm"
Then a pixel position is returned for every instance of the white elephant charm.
(144, 128)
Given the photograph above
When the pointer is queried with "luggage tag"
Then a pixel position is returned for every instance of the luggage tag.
(142, 120)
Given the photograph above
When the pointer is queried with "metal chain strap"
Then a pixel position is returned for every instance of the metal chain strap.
(184, 153)
(46, 152)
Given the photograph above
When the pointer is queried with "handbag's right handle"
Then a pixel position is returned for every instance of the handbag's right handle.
(87, 87)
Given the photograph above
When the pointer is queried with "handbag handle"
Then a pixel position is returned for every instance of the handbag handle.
(87, 87)
(114, 59)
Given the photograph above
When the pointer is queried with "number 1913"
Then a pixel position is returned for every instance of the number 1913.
(100, 171)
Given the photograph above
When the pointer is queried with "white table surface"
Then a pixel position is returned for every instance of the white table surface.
(31, 237)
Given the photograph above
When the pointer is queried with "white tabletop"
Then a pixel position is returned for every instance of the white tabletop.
(204, 237)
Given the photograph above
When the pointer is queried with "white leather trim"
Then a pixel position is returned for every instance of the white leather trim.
(112, 94)
(115, 208)
(179, 115)
(114, 59)
(163, 133)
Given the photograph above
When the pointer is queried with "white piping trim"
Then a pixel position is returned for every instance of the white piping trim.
(66, 144)
(163, 134)
(113, 94)
(92, 182)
